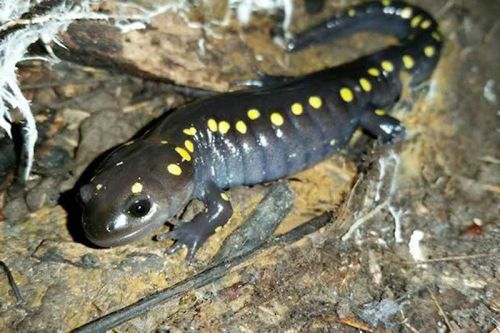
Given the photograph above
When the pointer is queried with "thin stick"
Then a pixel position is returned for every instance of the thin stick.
(199, 280)
(41, 85)
(455, 258)
(12, 283)
(363, 219)
(440, 309)
(43, 19)
(347, 205)
(411, 328)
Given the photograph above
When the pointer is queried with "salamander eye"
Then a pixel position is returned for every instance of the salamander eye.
(139, 208)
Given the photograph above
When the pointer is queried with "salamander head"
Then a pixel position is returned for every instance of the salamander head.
(135, 190)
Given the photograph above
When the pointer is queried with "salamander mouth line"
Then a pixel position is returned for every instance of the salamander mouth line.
(126, 237)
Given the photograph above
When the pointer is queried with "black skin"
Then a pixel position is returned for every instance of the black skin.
(221, 142)
(196, 232)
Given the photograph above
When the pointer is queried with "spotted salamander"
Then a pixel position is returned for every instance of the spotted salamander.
(258, 135)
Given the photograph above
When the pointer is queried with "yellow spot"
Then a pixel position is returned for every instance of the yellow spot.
(333, 142)
(253, 114)
(436, 35)
(429, 51)
(224, 196)
(351, 12)
(241, 126)
(128, 143)
(374, 72)
(415, 21)
(174, 169)
(425, 24)
(406, 13)
(224, 127)
(163, 142)
(184, 154)
(387, 66)
(379, 112)
(277, 119)
(212, 125)
(386, 2)
(190, 131)
(98, 187)
(346, 94)
(218, 229)
(315, 102)
(297, 109)
(136, 188)
(365, 84)
(189, 145)
(408, 62)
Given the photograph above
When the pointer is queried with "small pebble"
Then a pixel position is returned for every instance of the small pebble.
(15, 211)
(46, 193)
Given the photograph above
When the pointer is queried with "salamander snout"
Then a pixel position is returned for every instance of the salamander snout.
(112, 225)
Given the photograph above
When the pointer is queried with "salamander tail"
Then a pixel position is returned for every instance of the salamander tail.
(415, 28)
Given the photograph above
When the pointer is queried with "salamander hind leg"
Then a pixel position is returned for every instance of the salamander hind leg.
(194, 233)
(382, 126)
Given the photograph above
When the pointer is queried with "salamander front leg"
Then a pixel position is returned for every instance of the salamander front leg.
(385, 127)
(194, 233)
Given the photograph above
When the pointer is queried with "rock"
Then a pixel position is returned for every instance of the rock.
(46, 193)
(15, 211)
(170, 48)
(45, 97)
(100, 132)
(73, 117)
(55, 158)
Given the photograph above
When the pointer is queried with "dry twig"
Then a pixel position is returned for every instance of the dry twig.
(440, 309)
